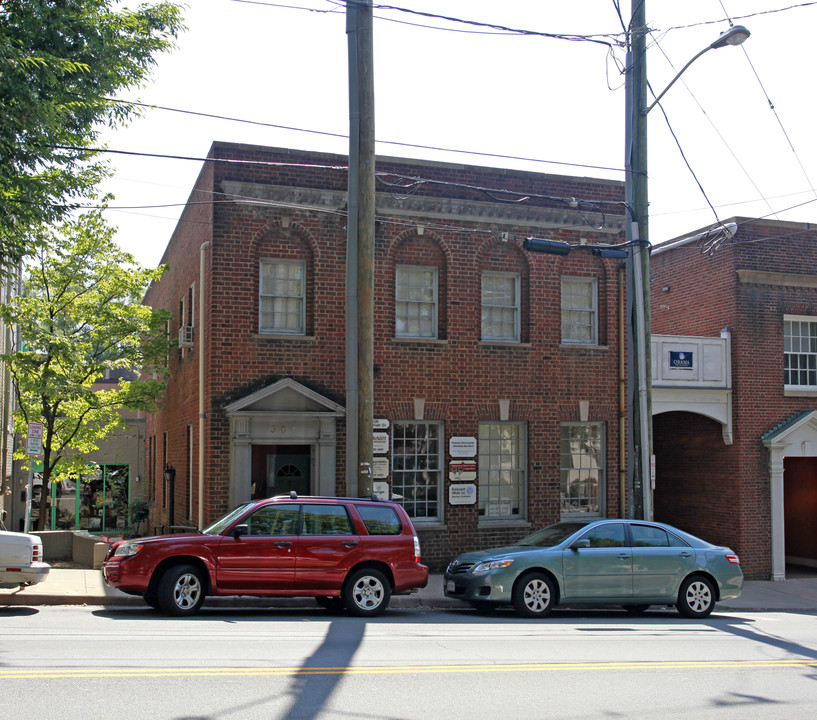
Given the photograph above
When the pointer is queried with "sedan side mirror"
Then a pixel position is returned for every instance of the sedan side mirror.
(240, 530)
(580, 544)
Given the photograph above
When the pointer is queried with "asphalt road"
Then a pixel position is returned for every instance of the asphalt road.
(74, 662)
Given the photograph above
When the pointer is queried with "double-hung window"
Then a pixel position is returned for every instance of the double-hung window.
(416, 296)
(417, 468)
(502, 476)
(282, 290)
(582, 469)
(500, 306)
(579, 310)
(800, 353)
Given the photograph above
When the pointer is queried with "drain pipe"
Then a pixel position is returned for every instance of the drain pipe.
(622, 397)
(202, 414)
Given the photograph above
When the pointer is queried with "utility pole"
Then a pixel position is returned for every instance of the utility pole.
(639, 445)
(360, 251)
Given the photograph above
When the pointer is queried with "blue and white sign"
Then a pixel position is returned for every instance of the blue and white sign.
(681, 360)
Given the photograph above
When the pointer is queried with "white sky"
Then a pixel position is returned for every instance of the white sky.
(487, 92)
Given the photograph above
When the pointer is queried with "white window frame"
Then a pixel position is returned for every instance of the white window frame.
(577, 467)
(590, 315)
(490, 308)
(409, 302)
(502, 475)
(805, 366)
(299, 298)
(434, 462)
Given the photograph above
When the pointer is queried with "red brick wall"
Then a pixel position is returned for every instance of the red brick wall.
(724, 491)
(460, 377)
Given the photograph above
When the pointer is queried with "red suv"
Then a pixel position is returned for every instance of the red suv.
(345, 552)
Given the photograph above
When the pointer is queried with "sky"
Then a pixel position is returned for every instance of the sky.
(276, 70)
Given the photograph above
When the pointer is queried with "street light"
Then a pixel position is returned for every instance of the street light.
(639, 447)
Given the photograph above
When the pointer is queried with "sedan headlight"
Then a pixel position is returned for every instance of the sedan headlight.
(491, 565)
(127, 549)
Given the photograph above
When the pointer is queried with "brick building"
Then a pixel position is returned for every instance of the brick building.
(496, 370)
(736, 451)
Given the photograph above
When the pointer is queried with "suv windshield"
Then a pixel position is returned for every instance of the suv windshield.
(224, 522)
(552, 534)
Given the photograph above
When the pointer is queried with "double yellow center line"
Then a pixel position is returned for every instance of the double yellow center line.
(12, 674)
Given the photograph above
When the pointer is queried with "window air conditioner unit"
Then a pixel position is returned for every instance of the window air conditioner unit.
(186, 336)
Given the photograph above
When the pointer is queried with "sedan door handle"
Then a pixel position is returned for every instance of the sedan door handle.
(350, 543)
(283, 544)
(686, 554)
(624, 556)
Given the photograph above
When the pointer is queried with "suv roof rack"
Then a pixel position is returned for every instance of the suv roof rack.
(293, 495)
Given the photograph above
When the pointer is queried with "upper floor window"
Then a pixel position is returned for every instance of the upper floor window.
(579, 310)
(500, 306)
(416, 302)
(282, 291)
(502, 477)
(582, 468)
(800, 352)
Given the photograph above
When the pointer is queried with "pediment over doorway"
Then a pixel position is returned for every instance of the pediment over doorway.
(796, 437)
(286, 396)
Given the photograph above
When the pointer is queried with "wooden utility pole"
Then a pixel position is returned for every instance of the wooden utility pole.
(360, 250)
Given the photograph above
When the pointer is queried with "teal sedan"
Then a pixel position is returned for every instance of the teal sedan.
(631, 563)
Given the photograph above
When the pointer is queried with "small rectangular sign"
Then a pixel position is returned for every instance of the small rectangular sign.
(462, 470)
(681, 360)
(380, 468)
(380, 443)
(462, 494)
(462, 447)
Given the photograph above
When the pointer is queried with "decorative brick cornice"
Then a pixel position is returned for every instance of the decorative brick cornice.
(762, 277)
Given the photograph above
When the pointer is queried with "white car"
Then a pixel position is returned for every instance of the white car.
(21, 560)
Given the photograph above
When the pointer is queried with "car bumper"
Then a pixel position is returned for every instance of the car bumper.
(487, 587)
(12, 577)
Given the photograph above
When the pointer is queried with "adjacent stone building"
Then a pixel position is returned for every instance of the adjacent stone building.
(496, 370)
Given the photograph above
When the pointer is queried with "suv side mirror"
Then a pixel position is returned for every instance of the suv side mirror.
(240, 530)
(583, 543)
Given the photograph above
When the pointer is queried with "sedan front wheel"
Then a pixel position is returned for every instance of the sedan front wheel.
(533, 595)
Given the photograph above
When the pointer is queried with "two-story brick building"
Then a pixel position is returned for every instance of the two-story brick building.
(497, 371)
(736, 445)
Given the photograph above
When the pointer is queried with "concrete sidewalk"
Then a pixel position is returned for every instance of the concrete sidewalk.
(86, 587)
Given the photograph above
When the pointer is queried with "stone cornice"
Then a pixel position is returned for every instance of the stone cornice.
(448, 209)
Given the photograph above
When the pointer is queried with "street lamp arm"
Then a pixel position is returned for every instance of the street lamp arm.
(734, 36)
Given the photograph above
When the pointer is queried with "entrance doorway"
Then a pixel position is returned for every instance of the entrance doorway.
(800, 509)
(279, 469)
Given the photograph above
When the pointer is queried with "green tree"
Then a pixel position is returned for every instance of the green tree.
(60, 63)
(79, 315)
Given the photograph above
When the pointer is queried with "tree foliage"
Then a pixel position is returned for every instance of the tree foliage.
(61, 61)
(80, 314)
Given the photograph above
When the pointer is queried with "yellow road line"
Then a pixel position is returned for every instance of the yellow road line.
(9, 674)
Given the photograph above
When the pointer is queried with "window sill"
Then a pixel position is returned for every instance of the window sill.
(431, 525)
(580, 346)
(282, 336)
(418, 341)
(504, 343)
(797, 392)
(485, 524)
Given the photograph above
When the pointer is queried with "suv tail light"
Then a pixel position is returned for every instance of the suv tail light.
(416, 549)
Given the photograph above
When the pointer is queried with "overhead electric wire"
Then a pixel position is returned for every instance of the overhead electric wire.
(657, 44)
(343, 136)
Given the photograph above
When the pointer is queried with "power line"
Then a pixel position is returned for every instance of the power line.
(475, 153)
